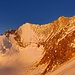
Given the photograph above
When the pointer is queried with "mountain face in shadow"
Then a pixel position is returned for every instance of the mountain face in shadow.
(35, 49)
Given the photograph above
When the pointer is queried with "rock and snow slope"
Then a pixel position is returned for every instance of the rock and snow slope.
(39, 49)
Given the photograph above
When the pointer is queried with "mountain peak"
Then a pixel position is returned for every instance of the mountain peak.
(39, 49)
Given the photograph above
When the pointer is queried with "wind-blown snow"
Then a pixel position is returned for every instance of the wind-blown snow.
(17, 60)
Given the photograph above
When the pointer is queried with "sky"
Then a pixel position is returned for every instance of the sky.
(14, 13)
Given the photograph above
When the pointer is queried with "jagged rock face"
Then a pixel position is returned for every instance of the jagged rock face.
(57, 38)
(60, 45)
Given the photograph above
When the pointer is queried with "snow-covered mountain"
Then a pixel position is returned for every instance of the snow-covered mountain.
(34, 49)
